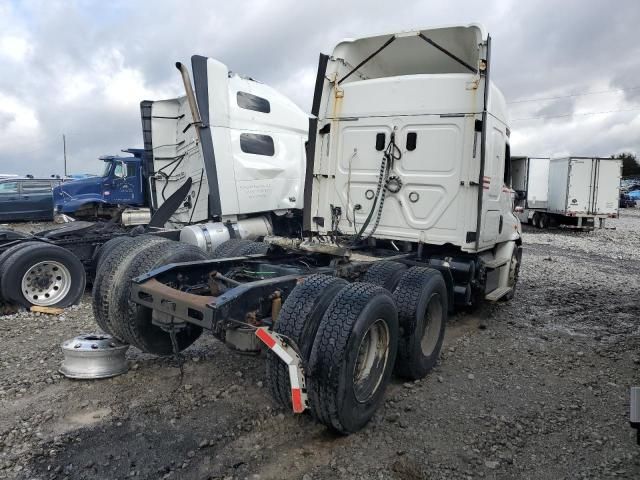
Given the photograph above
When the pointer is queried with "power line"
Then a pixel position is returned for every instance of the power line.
(575, 114)
(574, 95)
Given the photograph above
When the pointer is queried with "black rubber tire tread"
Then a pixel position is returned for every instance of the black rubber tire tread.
(384, 274)
(13, 270)
(409, 296)
(105, 249)
(10, 251)
(103, 281)
(133, 322)
(333, 350)
(535, 218)
(518, 254)
(227, 249)
(13, 233)
(298, 320)
(543, 221)
(252, 249)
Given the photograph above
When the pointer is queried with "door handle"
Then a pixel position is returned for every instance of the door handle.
(25, 197)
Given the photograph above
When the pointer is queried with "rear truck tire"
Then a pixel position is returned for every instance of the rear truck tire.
(252, 249)
(10, 251)
(421, 296)
(228, 249)
(103, 282)
(133, 322)
(298, 321)
(384, 274)
(514, 271)
(105, 249)
(352, 357)
(543, 222)
(44, 275)
(535, 220)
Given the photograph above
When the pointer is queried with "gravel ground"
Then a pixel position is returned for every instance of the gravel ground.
(535, 388)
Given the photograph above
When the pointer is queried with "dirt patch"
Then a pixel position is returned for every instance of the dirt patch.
(534, 388)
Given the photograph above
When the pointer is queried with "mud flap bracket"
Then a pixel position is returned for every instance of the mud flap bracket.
(278, 345)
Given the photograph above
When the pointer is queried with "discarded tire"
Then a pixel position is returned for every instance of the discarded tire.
(298, 321)
(103, 282)
(384, 274)
(352, 357)
(133, 322)
(44, 275)
(421, 296)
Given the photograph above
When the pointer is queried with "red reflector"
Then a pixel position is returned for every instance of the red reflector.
(296, 400)
(266, 338)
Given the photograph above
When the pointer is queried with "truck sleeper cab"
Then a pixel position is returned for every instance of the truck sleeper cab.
(406, 218)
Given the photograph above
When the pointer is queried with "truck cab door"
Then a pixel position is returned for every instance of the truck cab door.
(122, 184)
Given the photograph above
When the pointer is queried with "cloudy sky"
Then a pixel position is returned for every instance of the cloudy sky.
(82, 67)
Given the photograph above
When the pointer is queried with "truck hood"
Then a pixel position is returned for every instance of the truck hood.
(78, 187)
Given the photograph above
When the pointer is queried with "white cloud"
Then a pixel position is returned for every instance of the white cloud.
(81, 68)
(15, 48)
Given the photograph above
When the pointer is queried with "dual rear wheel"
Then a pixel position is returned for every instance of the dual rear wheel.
(351, 337)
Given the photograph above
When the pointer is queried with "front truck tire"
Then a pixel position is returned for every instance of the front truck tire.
(422, 299)
(514, 271)
(133, 322)
(298, 321)
(352, 357)
(44, 275)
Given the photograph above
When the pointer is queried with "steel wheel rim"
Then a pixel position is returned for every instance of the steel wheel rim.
(433, 324)
(371, 361)
(46, 283)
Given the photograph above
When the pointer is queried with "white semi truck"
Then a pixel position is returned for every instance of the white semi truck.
(572, 192)
(242, 147)
(406, 217)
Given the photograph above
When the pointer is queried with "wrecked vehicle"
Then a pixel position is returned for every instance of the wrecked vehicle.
(120, 184)
(406, 218)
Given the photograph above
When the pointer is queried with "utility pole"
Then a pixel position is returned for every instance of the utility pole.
(64, 149)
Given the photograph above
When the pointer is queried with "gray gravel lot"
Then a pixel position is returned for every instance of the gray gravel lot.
(535, 388)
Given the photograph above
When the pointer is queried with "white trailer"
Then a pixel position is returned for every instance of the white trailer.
(583, 189)
(571, 192)
(530, 182)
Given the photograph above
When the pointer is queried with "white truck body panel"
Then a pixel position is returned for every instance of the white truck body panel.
(580, 186)
(411, 87)
(247, 183)
(538, 180)
(530, 177)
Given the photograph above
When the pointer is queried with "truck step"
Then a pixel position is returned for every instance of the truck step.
(498, 262)
(497, 294)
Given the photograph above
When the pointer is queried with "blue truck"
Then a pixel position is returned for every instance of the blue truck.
(121, 184)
